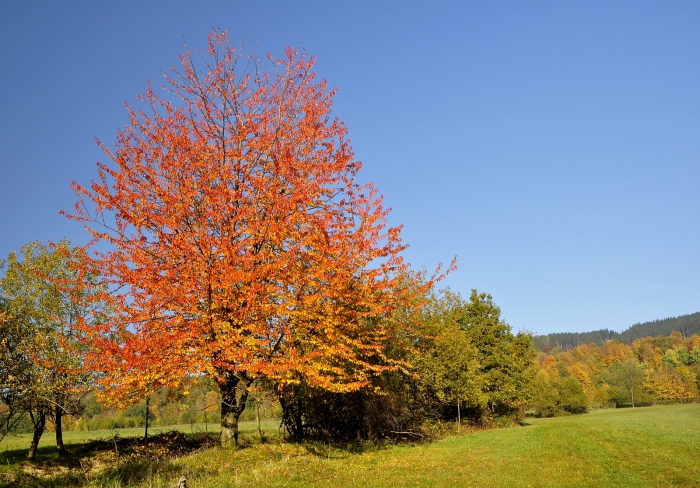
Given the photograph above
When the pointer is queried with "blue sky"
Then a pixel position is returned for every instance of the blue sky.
(552, 146)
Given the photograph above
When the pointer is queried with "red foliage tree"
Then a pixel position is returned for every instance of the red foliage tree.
(239, 244)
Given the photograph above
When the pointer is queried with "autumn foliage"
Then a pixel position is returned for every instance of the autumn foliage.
(41, 373)
(234, 239)
(650, 370)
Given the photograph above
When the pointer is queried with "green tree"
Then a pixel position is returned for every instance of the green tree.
(506, 360)
(680, 355)
(544, 397)
(626, 382)
(446, 357)
(44, 303)
(550, 395)
(572, 398)
(13, 368)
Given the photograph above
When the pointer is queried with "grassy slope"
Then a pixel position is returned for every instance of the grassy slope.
(655, 446)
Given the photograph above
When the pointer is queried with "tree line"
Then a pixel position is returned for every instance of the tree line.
(457, 360)
(685, 324)
(651, 370)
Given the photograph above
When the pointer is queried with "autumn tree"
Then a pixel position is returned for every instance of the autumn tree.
(647, 352)
(668, 383)
(236, 241)
(556, 388)
(13, 365)
(43, 305)
(614, 351)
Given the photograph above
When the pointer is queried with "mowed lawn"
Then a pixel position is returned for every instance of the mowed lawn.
(652, 446)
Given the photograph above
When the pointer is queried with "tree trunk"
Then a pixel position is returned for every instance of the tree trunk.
(632, 395)
(58, 423)
(39, 422)
(292, 411)
(299, 419)
(257, 419)
(231, 408)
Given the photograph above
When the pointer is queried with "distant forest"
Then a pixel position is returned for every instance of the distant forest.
(685, 324)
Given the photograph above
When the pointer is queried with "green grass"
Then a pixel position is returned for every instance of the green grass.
(48, 440)
(653, 446)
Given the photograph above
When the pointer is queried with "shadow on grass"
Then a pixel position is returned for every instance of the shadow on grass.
(112, 461)
(46, 456)
(137, 472)
(322, 449)
(125, 474)
(14, 456)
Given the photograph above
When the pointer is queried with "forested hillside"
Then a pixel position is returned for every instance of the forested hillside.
(650, 371)
(685, 324)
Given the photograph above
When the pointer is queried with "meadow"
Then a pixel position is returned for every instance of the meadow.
(650, 446)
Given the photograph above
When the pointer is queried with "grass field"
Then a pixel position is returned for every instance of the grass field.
(48, 440)
(653, 446)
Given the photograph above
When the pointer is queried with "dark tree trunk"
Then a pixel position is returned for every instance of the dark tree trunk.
(39, 422)
(58, 423)
(292, 413)
(299, 419)
(231, 407)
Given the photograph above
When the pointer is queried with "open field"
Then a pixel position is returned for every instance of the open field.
(653, 446)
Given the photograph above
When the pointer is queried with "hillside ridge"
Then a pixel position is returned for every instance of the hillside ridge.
(686, 324)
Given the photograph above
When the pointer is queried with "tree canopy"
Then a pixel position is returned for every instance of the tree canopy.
(237, 241)
(43, 299)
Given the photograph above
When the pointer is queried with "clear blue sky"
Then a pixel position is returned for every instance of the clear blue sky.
(552, 146)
